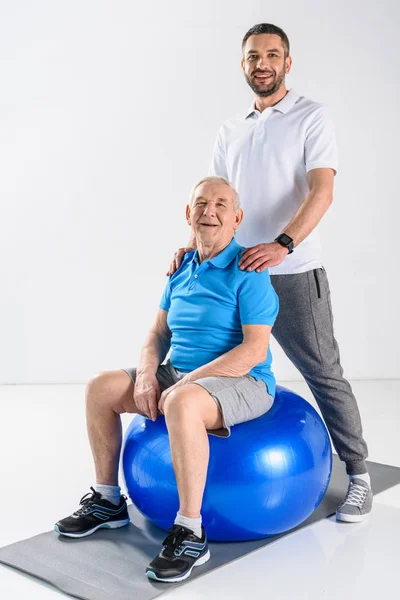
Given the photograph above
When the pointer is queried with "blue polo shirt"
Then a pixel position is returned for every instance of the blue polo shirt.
(207, 305)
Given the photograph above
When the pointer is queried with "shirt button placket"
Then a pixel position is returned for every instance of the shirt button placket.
(193, 283)
(260, 127)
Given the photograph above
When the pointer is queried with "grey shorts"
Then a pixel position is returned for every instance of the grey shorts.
(239, 399)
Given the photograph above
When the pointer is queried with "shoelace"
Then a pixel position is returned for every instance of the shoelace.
(174, 540)
(86, 501)
(356, 495)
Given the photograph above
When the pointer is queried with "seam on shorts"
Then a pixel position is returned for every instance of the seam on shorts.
(264, 382)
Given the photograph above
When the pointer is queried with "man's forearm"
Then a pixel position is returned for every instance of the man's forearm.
(308, 216)
(154, 351)
(235, 363)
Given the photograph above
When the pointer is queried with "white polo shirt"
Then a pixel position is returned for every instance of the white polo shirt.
(266, 157)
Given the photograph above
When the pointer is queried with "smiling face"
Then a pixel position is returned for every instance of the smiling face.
(213, 215)
(264, 64)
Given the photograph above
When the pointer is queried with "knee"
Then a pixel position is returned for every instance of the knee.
(178, 404)
(99, 389)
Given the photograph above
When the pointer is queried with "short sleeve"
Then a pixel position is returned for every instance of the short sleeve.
(258, 301)
(320, 144)
(165, 302)
(218, 164)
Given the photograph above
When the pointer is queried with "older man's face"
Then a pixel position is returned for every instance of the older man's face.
(212, 213)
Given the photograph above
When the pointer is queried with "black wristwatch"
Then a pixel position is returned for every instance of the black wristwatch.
(286, 241)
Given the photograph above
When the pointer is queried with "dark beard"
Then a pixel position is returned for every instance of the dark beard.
(263, 93)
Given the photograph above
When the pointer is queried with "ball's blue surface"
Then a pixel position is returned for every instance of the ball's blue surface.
(265, 479)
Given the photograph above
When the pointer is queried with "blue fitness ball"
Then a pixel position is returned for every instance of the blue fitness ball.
(266, 478)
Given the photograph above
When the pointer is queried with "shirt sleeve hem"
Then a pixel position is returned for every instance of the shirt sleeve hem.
(269, 322)
(318, 165)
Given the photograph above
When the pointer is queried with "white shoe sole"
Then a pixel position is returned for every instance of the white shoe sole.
(110, 525)
(198, 563)
(350, 518)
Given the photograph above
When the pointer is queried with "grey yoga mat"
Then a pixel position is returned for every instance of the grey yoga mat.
(111, 563)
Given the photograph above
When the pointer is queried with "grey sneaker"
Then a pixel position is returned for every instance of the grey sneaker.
(357, 503)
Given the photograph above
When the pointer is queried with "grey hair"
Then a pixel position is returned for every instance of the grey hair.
(215, 179)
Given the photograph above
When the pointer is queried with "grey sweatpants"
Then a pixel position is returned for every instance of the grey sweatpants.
(304, 330)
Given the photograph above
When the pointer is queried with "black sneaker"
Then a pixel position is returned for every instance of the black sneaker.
(182, 551)
(94, 514)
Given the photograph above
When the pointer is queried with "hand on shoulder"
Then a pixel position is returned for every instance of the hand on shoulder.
(261, 257)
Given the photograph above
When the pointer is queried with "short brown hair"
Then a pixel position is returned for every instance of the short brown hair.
(268, 28)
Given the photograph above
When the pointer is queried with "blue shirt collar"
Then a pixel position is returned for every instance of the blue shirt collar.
(225, 257)
(283, 105)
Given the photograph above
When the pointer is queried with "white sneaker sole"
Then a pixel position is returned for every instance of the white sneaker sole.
(110, 525)
(350, 518)
(198, 563)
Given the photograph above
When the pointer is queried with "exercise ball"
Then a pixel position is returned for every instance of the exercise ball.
(266, 478)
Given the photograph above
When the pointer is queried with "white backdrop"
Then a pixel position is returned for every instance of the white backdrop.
(108, 114)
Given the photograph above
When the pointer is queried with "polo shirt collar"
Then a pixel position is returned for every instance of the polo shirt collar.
(283, 106)
(224, 258)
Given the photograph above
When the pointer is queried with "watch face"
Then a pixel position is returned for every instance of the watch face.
(285, 239)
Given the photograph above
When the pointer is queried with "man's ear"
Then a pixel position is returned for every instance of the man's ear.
(238, 217)
(188, 214)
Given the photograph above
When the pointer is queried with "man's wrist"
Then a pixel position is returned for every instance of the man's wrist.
(286, 241)
(281, 247)
(146, 370)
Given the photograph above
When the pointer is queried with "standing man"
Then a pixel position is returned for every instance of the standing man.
(280, 155)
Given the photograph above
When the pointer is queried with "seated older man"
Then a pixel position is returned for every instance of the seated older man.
(217, 320)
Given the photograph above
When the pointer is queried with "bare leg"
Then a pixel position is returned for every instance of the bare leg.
(189, 412)
(107, 396)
